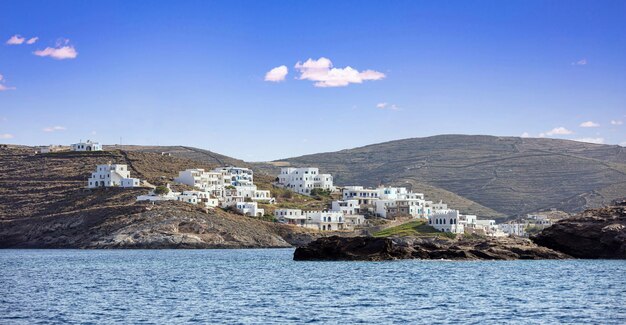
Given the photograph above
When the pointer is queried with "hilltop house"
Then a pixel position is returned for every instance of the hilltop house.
(87, 146)
(51, 148)
(304, 180)
(112, 175)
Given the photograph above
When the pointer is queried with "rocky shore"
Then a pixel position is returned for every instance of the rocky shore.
(595, 233)
(383, 249)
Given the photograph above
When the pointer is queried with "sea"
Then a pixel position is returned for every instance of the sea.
(265, 286)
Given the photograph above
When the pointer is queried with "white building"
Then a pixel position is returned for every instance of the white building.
(249, 209)
(304, 180)
(351, 212)
(515, 229)
(112, 175)
(51, 148)
(447, 221)
(365, 196)
(229, 184)
(320, 220)
(202, 197)
(236, 176)
(326, 220)
(87, 146)
(291, 216)
(212, 182)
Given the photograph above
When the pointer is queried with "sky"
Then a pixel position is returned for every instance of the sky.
(264, 80)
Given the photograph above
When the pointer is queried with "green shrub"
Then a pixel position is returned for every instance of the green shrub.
(161, 190)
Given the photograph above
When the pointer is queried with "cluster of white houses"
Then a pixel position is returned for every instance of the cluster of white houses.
(233, 187)
(226, 187)
(383, 201)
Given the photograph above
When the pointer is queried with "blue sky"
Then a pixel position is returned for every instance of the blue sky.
(193, 72)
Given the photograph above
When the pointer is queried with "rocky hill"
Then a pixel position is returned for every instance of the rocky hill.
(44, 203)
(486, 175)
(595, 233)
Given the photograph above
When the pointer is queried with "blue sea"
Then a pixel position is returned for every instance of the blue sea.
(264, 286)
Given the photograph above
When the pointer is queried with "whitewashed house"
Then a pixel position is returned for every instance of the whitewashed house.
(110, 175)
(290, 216)
(212, 182)
(51, 148)
(320, 220)
(446, 221)
(87, 146)
(236, 176)
(515, 229)
(250, 209)
(351, 212)
(202, 197)
(304, 180)
(365, 196)
(325, 220)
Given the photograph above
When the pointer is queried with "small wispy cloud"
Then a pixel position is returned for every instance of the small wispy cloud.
(277, 74)
(15, 40)
(616, 122)
(591, 140)
(580, 62)
(6, 136)
(556, 131)
(589, 124)
(54, 128)
(3, 87)
(391, 107)
(323, 74)
(525, 135)
(623, 144)
(61, 51)
(18, 40)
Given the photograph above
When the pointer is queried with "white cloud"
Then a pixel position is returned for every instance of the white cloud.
(591, 140)
(6, 136)
(623, 144)
(589, 124)
(277, 74)
(62, 51)
(525, 135)
(2, 86)
(321, 71)
(616, 122)
(32, 40)
(580, 62)
(391, 107)
(54, 128)
(556, 131)
(15, 40)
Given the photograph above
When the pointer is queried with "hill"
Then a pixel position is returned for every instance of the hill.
(508, 175)
(44, 203)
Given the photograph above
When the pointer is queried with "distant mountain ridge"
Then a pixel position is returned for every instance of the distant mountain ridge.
(510, 175)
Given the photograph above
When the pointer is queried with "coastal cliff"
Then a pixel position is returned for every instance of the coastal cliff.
(595, 233)
(382, 249)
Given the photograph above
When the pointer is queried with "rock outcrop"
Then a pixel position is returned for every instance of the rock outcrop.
(595, 233)
(143, 225)
(382, 249)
